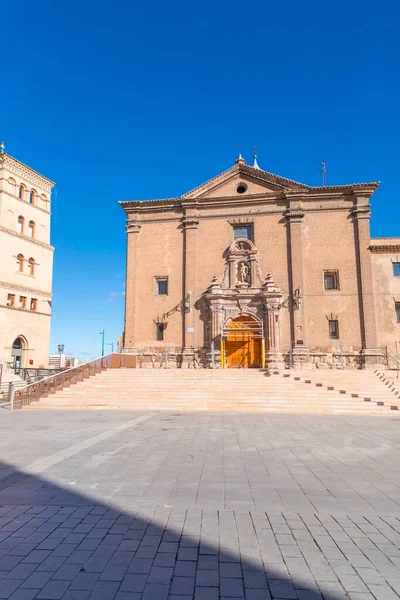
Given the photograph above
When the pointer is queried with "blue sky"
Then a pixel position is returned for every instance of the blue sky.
(128, 100)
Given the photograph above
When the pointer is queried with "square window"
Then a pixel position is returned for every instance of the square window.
(159, 332)
(331, 280)
(162, 286)
(10, 299)
(33, 303)
(397, 307)
(244, 231)
(22, 301)
(396, 269)
(333, 330)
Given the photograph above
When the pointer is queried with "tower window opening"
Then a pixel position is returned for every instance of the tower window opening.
(20, 263)
(20, 224)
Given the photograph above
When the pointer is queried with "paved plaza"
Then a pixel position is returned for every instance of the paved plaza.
(131, 505)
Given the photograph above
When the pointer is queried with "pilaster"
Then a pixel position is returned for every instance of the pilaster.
(273, 353)
(369, 339)
(132, 231)
(295, 218)
(190, 224)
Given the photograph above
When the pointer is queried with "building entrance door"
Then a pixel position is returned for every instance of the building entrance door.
(244, 343)
(16, 354)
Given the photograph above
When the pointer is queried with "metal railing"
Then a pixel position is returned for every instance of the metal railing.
(50, 385)
(5, 388)
(31, 374)
(393, 363)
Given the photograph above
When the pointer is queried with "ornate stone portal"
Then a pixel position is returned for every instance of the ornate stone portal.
(242, 292)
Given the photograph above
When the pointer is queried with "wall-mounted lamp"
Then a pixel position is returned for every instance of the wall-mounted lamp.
(293, 300)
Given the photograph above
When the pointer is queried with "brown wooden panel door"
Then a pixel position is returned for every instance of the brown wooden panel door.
(238, 352)
(243, 347)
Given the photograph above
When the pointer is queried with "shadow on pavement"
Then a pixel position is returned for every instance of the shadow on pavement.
(74, 548)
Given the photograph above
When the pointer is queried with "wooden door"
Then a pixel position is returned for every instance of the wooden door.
(243, 345)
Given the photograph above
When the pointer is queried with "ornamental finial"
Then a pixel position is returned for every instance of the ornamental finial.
(2, 148)
(255, 165)
(240, 160)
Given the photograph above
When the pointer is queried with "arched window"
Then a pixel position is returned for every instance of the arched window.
(20, 263)
(43, 197)
(31, 266)
(32, 196)
(13, 184)
(20, 224)
(31, 229)
(21, 192)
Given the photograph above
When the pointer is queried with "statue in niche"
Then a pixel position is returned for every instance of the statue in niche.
(243, 273)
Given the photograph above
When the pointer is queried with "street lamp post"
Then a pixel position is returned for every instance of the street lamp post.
(102, 341)
(60, 348)
(112, 346)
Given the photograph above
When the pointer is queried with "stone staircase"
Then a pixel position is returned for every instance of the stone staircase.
(250, 390)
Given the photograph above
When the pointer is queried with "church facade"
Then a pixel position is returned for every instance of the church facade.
(252, 269)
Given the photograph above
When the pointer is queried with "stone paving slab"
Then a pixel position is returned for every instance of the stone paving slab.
(265, 462)
(168, 553)
(146, 505)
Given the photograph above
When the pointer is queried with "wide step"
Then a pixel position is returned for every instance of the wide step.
(358, 393)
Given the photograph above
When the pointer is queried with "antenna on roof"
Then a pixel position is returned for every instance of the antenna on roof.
(2, 148)
(322, 170)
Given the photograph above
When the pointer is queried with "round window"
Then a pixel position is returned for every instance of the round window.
(241, 188)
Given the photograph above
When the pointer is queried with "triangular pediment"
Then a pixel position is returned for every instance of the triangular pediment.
(242, 177)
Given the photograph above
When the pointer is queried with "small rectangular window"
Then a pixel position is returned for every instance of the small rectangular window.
(396, 269)
(22, 301)
(10, 299)
(162, 286)
(331, 280)
(159, 332)
(33, 303)
(397, 307)
(244, 231)
(333, 330)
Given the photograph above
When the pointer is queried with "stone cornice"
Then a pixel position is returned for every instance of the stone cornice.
(26, 172)
(25, 289)
(294, 215)
(309, 197)
(190, 222)
(26, 238)
(31, 312)
(361, 211)
(165, 217)
(35, 206)
(132, 227)
(385, 248)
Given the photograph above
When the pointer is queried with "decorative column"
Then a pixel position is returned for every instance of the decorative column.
(371, 353)
(272, 334)
(132, 230)
(295, 217)
(272, 297)
(215, 333)
(190, 223)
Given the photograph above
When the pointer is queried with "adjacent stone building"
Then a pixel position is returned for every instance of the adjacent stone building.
(252, 269)
(26, 264)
